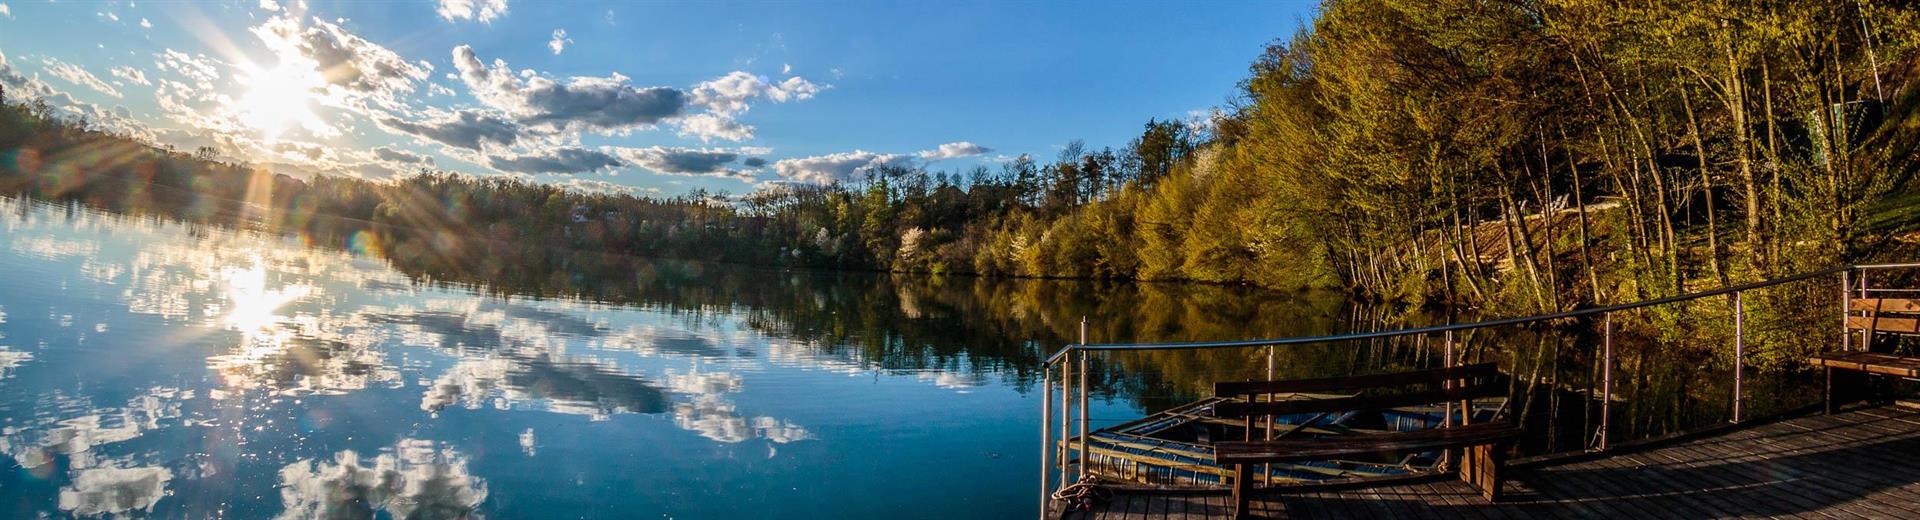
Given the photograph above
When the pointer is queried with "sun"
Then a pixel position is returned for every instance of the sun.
(278, 99)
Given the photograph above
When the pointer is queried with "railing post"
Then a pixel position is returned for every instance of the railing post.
(1046, 434)
(1866, 333)
(1266, 470)
(1846, 309)
(1739, 353)
(1606, 391)
(1066, 418)
(1448, 363)
(1083, 399)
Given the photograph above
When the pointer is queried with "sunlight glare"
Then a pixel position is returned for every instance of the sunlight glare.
(278, 99)
(252, 307)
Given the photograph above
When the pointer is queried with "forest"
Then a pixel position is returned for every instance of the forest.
(1525, 155)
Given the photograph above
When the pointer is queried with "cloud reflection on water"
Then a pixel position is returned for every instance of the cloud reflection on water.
(273, 321)
(412, 479)
(102, 491)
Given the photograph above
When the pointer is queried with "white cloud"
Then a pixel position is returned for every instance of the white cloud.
(559, 42)
(469, 129)
(6, 11)
(708, 162)
(400, 156)
(600, 186)
(199, 68)
(21, 87)
(838, 167)
(611, 105)
(728, 95)
(582, 103)
(558, 160)
(131, 75)
(486, 11)
(953, 150)
(79, 76)
(144, 24)
(360, 68)
(709, 126)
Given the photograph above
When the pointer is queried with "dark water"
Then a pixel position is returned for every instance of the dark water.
(150, 367)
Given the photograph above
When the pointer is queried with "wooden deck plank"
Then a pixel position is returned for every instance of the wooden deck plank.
(1847, 466)
(1707, 463)
(1594, 484)
(1712, 463)
(1839, 466)
(1855, 470)
(1712, 467)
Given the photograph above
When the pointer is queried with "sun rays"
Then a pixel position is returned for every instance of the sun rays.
(278, 99)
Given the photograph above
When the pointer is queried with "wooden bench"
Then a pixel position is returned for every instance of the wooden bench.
(1484, 445)
(1872, 317)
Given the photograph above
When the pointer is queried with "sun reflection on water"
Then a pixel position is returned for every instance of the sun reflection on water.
(253, 308)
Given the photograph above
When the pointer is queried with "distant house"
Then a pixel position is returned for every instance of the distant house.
(582, 213)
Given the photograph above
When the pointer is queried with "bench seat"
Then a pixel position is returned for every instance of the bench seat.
(1288, 450)
(1871, 362)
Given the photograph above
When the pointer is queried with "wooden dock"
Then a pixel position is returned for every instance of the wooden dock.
(1860, 463)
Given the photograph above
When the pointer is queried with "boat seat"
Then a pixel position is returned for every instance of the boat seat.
(1483, 445)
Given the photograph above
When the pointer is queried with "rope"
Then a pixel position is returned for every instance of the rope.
(1083, 495)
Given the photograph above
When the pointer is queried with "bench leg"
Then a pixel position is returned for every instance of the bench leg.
(1241, 485)
(1829, 391)
(1480, 467)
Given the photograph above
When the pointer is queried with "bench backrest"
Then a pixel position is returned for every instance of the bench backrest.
(1886, 315)
(1418, 387)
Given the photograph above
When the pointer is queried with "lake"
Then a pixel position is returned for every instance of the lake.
(151, 366)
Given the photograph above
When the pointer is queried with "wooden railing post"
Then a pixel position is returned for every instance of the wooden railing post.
(1866, 333)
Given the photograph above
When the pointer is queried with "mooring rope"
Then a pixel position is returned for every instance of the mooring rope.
(1082, 495)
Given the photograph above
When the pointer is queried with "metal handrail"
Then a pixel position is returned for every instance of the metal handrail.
(1601, 434)
(1296, 340)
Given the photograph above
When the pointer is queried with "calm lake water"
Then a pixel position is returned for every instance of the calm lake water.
(155, 367)
(152, 367)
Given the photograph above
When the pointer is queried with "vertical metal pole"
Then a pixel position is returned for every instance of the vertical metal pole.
(1066, 417)
(1739, 352)
(1448, 363)
(1266, 470)
(1046, 434)
(1606, 392)
(1083, 399)
(1846, 309)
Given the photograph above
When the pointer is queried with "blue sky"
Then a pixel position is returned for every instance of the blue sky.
(647, 97)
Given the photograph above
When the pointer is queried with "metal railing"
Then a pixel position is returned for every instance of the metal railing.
(1062, 459)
